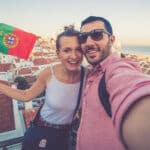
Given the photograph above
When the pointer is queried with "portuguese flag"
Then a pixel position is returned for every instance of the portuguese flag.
(16, 42)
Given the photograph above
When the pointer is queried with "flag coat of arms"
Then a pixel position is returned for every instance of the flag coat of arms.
(16, 42)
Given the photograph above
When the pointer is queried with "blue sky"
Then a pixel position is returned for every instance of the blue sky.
(129, 18)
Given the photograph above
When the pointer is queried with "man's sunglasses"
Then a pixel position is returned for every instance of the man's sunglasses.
(95, 35)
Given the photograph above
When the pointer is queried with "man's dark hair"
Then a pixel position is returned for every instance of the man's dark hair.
(95, 18)
(68, 32)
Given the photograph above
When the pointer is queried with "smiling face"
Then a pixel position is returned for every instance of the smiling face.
(96, 50)
(70, 53)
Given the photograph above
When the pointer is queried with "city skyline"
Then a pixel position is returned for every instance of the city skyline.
(129, 19)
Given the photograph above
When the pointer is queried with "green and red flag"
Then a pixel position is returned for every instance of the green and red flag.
(16, 42)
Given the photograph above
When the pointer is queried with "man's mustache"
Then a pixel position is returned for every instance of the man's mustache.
(91, 48)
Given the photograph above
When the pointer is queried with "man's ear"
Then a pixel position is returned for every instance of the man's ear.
(112, 39)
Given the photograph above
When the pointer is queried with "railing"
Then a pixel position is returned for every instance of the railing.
(5, 144)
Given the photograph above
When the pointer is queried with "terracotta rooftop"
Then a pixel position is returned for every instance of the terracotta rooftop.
(40, 54)
(24, 71)
(42, 61)
(30, 79)
(5, 67)
(35, 68)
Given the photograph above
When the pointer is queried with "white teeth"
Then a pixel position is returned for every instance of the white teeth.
(90, 52)
(73, 62)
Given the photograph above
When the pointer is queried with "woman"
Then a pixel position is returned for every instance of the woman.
(61, 83)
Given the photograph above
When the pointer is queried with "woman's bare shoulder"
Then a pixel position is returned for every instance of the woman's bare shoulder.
(45, 75)
(45, 72)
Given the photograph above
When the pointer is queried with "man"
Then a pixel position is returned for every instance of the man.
(129, 95)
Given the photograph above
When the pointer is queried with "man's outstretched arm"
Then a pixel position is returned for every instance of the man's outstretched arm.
(136, 125)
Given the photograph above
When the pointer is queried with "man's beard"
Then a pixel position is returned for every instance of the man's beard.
(105, 52)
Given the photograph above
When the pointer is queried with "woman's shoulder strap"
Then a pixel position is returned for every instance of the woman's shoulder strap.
(52, 69)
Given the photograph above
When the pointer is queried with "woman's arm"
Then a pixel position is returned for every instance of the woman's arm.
(32, 92)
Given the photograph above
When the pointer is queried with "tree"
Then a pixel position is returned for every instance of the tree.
(21, 83)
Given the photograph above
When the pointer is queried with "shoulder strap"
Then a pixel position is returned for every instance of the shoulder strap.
(52, 69)
(80, 90)
(36, 118)
(104, 96)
